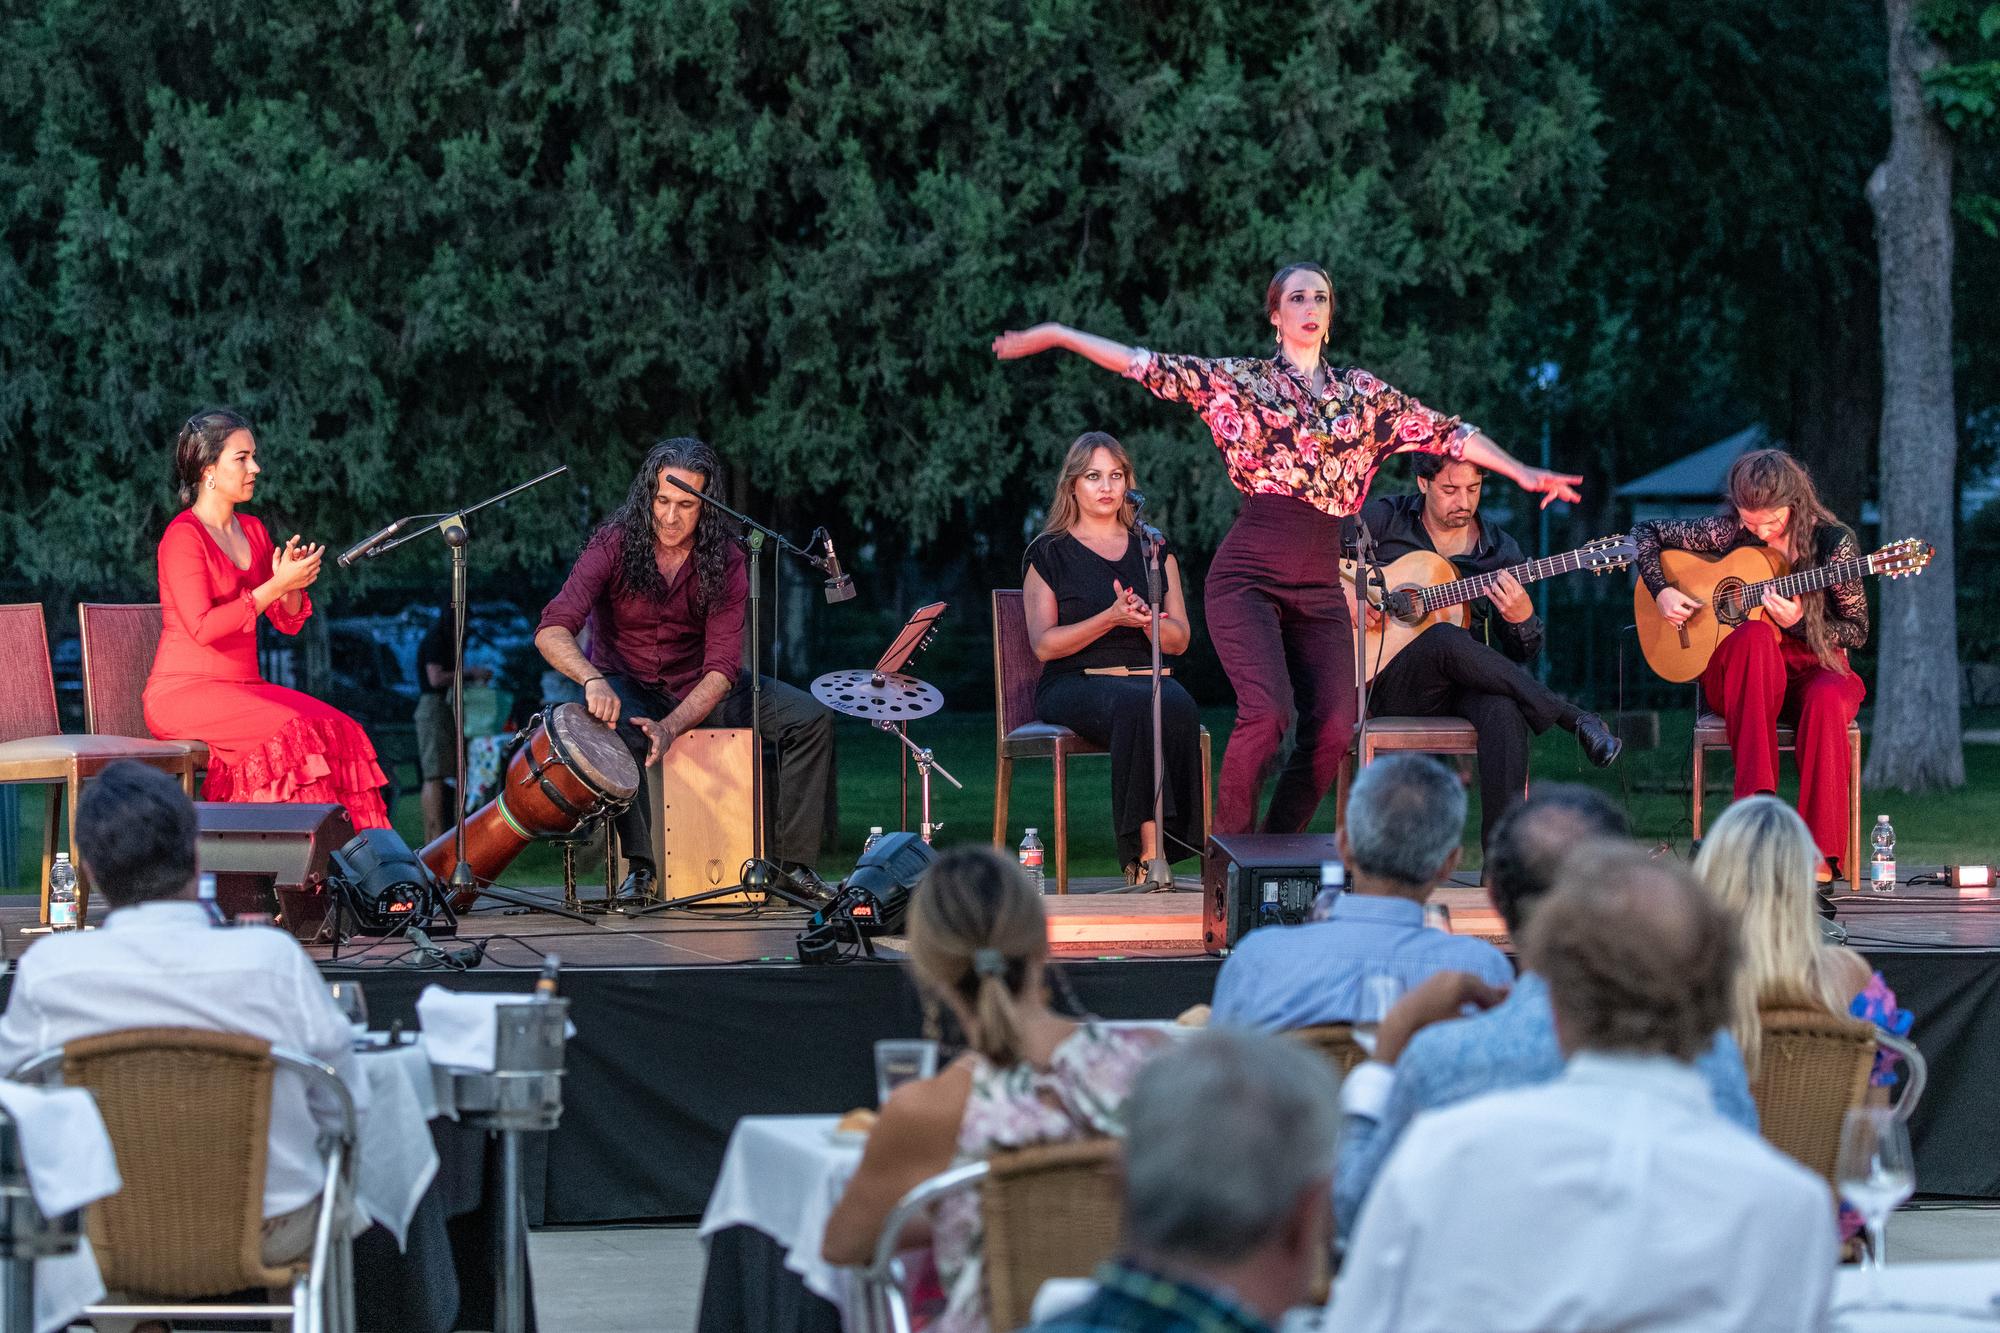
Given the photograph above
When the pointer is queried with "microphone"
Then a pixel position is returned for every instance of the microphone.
(839, 586)
(364, 548)
(1137, 499)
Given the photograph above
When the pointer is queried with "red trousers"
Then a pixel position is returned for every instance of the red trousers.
(1760, 677)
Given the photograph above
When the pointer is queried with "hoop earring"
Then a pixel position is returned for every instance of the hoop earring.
(209, 482)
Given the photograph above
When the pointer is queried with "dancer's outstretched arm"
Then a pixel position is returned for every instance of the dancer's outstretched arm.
(1012, 346)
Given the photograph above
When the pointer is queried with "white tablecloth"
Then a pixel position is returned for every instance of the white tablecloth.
(395, 1160)
(783, 1174)
(1923, 1298)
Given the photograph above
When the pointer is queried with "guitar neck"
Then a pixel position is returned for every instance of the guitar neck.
(1809, 580)
(1440, 595)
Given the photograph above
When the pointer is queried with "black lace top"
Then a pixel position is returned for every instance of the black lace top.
(1847, 603)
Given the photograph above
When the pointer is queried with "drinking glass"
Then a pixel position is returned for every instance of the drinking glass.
(1379, 993)
(347, 998)
(901, 1060)
(1876, 1174)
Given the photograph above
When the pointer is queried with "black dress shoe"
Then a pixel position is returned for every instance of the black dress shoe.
(1600, 746)
(807, 883)
(638, 886)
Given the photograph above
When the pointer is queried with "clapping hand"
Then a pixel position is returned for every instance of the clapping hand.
(1128, 608)
(296, 565)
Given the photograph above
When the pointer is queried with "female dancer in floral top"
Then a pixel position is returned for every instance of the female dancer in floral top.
(1302, 440)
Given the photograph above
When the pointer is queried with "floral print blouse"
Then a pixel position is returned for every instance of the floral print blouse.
(1280, 438)
(1847, 603)
(1080, 1095)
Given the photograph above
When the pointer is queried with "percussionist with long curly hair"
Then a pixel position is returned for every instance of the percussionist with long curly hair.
(664, 585)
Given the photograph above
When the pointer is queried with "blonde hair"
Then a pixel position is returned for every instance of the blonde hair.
(1758, 861)
(1063, 509)
(977, 931)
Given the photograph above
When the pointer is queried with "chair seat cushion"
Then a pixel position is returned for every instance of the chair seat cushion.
(1711, 731)
(1039, 738)
(1435, 728)
(47, 749)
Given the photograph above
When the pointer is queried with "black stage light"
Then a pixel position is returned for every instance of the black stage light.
(874, 900)
(383, 889)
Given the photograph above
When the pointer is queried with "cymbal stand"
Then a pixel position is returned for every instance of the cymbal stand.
(926, 761)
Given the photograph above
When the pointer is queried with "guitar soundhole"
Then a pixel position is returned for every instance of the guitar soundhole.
(1726, 600)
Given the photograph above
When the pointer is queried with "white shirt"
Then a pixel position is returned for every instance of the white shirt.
(1613, 1198)
(163, 964)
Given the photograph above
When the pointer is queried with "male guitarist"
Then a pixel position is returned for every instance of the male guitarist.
(1473, 673)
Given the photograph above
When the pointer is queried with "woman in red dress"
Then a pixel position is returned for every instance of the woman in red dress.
(219, 571)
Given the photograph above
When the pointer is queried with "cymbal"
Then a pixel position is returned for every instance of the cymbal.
(890, 698)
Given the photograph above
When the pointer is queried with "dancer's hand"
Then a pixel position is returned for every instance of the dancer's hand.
(1676, 606)
(1510, 599)
(1013, 345)
(1551, 486)
(602, 701)
(1786, 611)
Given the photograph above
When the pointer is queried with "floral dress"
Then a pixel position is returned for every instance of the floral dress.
(1080, 1095)
(1278, 437)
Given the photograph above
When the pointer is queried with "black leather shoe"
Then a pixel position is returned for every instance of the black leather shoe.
(638, 886)
(807, 883)
(1600, 746)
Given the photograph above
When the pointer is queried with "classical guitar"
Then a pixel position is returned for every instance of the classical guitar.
(1731, 590)
(1423, 589)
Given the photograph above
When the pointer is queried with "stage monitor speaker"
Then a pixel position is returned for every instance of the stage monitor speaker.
(272, 859)
(1259, 879)
(702, 832)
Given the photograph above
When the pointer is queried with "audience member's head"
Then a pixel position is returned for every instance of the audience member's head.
(1758, 861)
(1638, 956)
(135, 829)
(1228, 1163)
(1405, 821)
(978, 941)
(1533, 839)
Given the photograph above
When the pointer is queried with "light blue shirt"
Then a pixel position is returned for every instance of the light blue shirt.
(1282, 977)
(1511, 1045)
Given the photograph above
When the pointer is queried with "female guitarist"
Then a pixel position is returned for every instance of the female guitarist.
(1790, 666)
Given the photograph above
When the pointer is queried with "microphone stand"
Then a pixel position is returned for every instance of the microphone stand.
(1159, 874)
(758, 874)
(452, 527)
(1368, 575)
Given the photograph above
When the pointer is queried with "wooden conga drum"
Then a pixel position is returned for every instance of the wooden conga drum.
(570, 767)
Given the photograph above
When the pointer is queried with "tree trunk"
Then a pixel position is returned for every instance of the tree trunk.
(1915, 744)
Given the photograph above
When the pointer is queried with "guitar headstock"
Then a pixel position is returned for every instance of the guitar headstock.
(1607, 553)
(1900, 559)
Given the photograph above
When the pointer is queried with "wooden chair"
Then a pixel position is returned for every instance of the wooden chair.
(33, 748)
(119, 641)
(189, 1113)
(1053, 1210)
(1812, 1070)
(1394, 735)
(1021, 735)
(1711, 734)
(1335, 1041)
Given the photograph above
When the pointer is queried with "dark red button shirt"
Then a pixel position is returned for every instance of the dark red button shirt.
(667, 644)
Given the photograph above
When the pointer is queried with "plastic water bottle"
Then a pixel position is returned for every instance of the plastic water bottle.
(62, 894)
(874, 836)
(545, 984)
(1882, 864)
(1332, 882)
(205, 894)
(1031, 857)
(1437, 916)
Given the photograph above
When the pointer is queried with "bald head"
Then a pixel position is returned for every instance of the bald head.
(1639, 959)
(1536, 837)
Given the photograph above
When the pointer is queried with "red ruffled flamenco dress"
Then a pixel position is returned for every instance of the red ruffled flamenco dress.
(265, 742)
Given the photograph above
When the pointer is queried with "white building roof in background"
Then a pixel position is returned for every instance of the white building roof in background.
(1699, 475)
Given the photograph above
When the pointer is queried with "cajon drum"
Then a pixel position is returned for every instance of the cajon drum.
(702, 833)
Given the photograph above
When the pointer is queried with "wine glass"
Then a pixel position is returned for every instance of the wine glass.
(1876, 1174)
(1379, 993)
(347, 998)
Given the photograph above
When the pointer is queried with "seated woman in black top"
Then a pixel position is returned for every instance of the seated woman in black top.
(1084, 590)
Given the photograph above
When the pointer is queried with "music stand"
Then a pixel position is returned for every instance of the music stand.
(912, 639)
